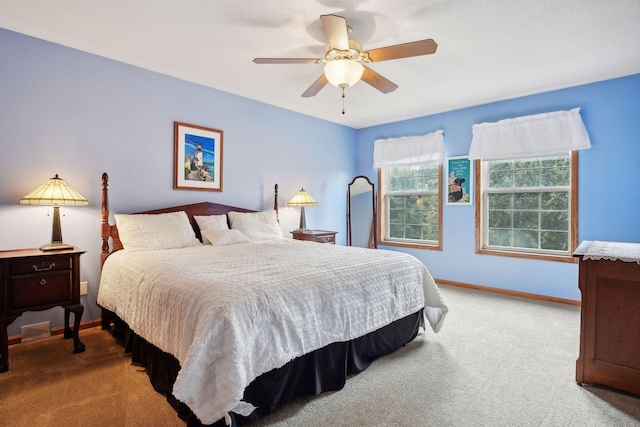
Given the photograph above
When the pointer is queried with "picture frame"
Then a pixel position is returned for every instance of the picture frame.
(197, 158)
(459, 181)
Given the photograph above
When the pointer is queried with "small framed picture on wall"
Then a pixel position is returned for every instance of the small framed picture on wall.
(197, 158)
(459, 181)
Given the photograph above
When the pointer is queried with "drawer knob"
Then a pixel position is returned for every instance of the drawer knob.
(35, 267)
(43, 282)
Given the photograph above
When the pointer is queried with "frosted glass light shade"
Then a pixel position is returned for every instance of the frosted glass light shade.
(343, 72)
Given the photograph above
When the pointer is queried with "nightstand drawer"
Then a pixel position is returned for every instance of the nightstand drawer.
(40, 265)
(37, 291)
(318, 236)
(326, 239)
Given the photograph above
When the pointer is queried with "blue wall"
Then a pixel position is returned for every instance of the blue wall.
(68, 112)
(609, 183)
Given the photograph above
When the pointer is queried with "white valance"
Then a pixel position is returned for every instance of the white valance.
(409, 150)
(546, 134)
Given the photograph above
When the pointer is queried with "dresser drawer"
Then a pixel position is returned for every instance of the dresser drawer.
(38, 291)
(40, 265)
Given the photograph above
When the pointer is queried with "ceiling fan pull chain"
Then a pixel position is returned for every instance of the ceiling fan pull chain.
(342, 100)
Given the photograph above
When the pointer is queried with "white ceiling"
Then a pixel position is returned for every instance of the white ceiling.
(488, 50)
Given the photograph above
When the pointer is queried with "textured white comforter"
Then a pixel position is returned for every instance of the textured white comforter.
(231, 313)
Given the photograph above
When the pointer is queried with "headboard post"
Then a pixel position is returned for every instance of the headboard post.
(106, 228)
(275, 199)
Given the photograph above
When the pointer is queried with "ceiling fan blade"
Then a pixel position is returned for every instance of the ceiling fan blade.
(406, 50)
(315, 87)
(374, 79)
(286, 60)
(335, 27)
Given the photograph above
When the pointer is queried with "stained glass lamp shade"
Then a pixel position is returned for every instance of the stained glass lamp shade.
(302, 199)
(55, 192)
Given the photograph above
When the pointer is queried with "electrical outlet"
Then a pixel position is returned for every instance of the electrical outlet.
(84, 288)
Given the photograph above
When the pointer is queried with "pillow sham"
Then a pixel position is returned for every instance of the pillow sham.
(141, 232)
(209, 223)
(224, 237)
(256, 225)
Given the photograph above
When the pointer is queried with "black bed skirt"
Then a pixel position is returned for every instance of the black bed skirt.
(325, 369)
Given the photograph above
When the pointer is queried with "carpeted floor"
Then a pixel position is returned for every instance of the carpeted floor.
(498, 361)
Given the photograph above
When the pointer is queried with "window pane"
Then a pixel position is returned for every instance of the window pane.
(413, 184)
(413, 232)
(527, 220)
(430, 201)
(554, 177)
(414, 216)
(499, 165)
(396, 216)
(554, 240)
(526, 201)
(499, 237)
(525, 239)
(500, 201)
(501, 179)
(396, 202)
(396, 184)
(526, 164)
(430, 233)
(526, 178)
(499, 219)
(396, 231)
(555, 162)
(555, 201)
(554, 221)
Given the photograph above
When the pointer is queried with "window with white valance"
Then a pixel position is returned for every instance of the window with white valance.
(409, 178)
(546, 134)
(409, 150)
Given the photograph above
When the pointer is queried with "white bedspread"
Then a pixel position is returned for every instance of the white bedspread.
(231, 313)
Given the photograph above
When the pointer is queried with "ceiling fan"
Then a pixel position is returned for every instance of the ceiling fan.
(344, 58)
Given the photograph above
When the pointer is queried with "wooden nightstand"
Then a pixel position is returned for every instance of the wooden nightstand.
(34, 280)
(320, 236)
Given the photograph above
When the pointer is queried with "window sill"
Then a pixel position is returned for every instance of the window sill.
(436, 247)
(529, 255)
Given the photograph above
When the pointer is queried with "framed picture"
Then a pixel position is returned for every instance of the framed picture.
(197, 158)
(459, 181)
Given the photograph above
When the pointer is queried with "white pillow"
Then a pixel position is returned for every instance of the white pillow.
(224, 237)
(140, 232)
(210, 223)
(256, 225)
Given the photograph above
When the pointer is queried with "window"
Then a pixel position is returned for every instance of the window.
(528, 207)
(410, 205)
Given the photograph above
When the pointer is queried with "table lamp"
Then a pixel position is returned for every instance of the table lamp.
(302, 199)
(55, 192)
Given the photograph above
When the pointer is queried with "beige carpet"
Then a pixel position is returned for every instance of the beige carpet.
(498, 361)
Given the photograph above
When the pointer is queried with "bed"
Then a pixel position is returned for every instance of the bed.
(235, 328)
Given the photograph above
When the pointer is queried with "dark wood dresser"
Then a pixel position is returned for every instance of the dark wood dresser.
(33, 280)
(610, 318)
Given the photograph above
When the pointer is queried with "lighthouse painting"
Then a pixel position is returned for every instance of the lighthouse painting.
(198, 158)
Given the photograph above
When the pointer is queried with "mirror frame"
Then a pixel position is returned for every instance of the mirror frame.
(374, 227)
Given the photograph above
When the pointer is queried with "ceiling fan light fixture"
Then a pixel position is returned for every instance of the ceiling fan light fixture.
(343, 72)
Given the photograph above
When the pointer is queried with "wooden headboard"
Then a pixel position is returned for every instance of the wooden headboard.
(204, 208)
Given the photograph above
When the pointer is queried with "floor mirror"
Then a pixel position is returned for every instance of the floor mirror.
(362, 226)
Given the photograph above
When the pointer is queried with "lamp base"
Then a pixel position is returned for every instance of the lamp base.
(302, 230)
(55, 246)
